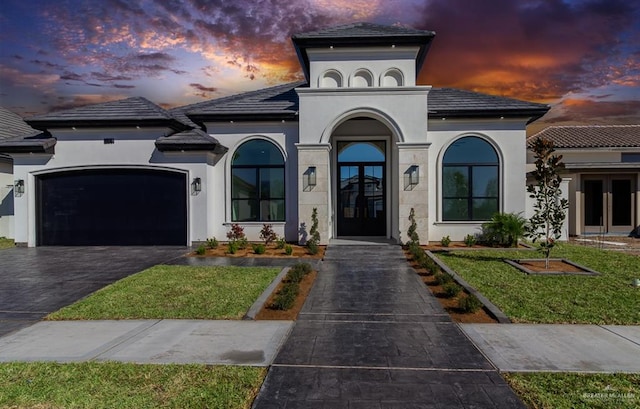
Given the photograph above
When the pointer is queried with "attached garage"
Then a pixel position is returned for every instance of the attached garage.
(112, 207)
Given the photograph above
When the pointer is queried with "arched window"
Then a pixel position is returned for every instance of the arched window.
(392, 78)
(362, 79)
(257, 183)
(331, 79)
(470, 180)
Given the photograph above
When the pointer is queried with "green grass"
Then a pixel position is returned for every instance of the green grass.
(6, 243)
(605, 299)
(119, 385)
(180, 292)
(576, 391)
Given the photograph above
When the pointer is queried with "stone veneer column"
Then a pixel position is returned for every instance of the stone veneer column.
(318, 196)
(410, 154)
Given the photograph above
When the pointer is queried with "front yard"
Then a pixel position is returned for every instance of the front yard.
(6, 243)
(607, 298)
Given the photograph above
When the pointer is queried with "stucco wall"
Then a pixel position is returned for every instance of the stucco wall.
(6, 198)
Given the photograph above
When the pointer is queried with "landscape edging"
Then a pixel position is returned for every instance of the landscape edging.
(500, 316)
(257, 305)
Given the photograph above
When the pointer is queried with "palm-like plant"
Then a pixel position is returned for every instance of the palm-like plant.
(505, 229)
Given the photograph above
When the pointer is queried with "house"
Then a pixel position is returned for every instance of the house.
(358, 140)
(602, 176)
(11, 127)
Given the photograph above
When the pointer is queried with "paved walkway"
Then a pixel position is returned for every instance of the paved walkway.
(371, 335)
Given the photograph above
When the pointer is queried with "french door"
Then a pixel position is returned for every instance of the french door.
(361, 199)
(608, 203)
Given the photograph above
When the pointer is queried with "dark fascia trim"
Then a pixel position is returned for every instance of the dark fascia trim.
(180, 147)
(38, 146)
(521, 113)
(423, 41)
(244, 117)
(94, 123)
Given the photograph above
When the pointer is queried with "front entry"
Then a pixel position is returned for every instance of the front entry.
(608, 203)
(361, 189)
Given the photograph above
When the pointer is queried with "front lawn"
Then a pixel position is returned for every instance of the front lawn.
(120, 385)
(605, 299)
(179, 292)
(576, 391)
(6, 243)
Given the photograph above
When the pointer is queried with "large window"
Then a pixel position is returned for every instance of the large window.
(470, 187)
(257, 183)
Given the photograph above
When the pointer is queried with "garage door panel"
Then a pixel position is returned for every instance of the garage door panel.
(112, 207)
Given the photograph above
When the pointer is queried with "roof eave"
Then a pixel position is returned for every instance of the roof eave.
(534, 114)
(35, 146)
(244, 116)
(44, 124)
(191, 147)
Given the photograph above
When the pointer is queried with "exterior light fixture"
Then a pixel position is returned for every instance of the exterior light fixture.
(411, 177)
(309, 178)
(18, 188)
(196, 186)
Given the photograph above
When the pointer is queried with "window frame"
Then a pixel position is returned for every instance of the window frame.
(259, 198)
(469, 168)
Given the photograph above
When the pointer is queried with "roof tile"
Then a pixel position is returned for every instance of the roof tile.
(591, 136)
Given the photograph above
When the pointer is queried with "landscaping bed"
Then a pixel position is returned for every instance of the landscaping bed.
(270, 251)
(291, 314)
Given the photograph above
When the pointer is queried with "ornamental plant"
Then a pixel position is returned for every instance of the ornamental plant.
(549, 208)
(314, 240)
(412, 231)
(267, 234)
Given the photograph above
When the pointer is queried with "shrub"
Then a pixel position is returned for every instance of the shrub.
(314, 240)
(504, 229)
(212, 243)
(286, 297)
(443, 278)
(232, 247)
(445, 241)
(451, 289)
(267, 234)
(430, 265)
(412, 231)
(280, 243)
(243, 243)
(469, 240)
(288, 249)
(304, 267)
(201, 250)
(259, 248)
(312, 247)
(236, 232)
(469, 303)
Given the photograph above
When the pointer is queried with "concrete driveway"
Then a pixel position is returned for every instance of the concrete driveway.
(37, 281)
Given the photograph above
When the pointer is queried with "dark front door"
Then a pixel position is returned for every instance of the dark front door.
(361, 202)
(112, 207)
(608, 202)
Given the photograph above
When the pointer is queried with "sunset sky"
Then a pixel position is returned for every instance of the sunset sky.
(581, 56)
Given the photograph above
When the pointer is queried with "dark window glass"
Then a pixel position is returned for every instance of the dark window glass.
(621, 200)
(470, 181)
(257, 183)
(631, 157)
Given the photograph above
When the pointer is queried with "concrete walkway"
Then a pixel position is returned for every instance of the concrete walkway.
(371, 335)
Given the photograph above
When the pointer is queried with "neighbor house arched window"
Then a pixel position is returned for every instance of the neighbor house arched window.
(257, 183)
(470, 180)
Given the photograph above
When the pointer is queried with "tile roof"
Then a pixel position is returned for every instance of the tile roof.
(462, 103)
(12, 125)
(193, 139)
(591, 136)
(279, 102)
(282, 102)
(130, 111)
(363, 30)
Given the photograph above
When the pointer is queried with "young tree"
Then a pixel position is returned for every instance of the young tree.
(549, 208)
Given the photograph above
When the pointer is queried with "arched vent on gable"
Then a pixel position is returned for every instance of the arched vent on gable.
(331, 79)
(392, 78)
(362, 79)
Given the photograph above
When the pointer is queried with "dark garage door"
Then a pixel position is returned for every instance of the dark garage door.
(112, 207)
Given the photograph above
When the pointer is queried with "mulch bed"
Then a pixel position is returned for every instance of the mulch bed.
(556, 267)
(291, 314)
(458, 245)
(270, 252)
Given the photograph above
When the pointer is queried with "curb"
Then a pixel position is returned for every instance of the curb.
(493, 310)
(257, 305)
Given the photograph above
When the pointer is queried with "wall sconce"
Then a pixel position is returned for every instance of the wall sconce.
(411, 177)
(18, 188)
(309, 178)
(196, 186)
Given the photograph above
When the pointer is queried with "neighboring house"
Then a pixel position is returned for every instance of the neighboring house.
(11, 127)
(602, 176)
(358, 140)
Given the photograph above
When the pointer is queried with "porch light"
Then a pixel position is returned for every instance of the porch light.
(309, 178)
(196, 186)
(18, 188)
(411, 177)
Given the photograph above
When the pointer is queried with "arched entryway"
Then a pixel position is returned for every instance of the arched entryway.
(361, 188)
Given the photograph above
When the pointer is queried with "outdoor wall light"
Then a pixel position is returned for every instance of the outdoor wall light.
(196, 186)
(309, 178)
(18, 187)
(411, 177)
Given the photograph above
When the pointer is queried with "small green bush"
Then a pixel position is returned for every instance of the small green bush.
(294, 276)
(313, 248)
(233, 247)
(288, 249)
(445, 241)
(259, 248)
(451, 289)
(286, 297)
(304, 267)
(212, 243)
(469, 240)
(430, 265)
(280, 243)
(243, 243)
(443, 278)
(469, 304)
(201, 250)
